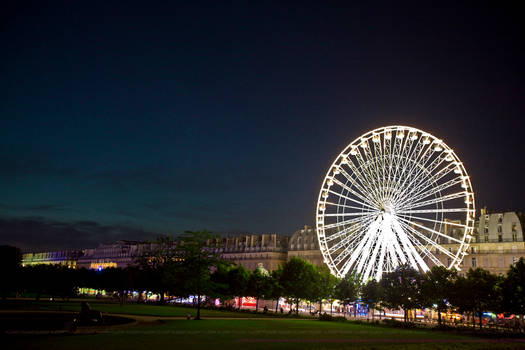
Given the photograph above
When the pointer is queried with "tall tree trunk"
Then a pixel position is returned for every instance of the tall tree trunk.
(332, 308)
(256, 305)
(198, 307)
(276, 305)
(297, 307)
(480, 319)
(406, 315)
(439, 315)
(320, 307)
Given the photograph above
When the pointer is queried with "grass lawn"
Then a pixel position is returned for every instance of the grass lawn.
(130, 309)
(218, 334)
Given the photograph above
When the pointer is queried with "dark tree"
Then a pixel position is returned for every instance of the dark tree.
(196, 261)
(513, 289)
(438, 283)
(297, 278)
(347, 289)
(372, 294)
(259, 285)
(324, 285)
(401, 289)
(277, 290)
(476, 292)
(158, 267)
(238, 278)
(10, 259)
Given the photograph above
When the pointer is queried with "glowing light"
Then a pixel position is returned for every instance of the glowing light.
(400, 134)
(376, 138)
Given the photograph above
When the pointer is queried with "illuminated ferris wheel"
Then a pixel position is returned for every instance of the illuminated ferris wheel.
(394, 196)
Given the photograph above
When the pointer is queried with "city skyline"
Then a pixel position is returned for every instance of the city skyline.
(127, 123)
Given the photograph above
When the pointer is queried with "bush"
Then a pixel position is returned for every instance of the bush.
(325, 317)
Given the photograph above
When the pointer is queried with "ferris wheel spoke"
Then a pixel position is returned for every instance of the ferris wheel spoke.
(373, 257)
(427, 175)
(431, 230)
(351, 207)
(350, 230)
(351, 199)
(432, 243)
(350, 190)
(448, 197)
(358, 251)
(429, 211)
(374, 171)
(379, 161)
(416, 191)
(379, 271)
(368, 171)
(344, 223)
(439, 222)
(365, 255)
(365, 194)
(434, 190)
(367, 190)
(413, 255)
(346, 214)
(419, 245)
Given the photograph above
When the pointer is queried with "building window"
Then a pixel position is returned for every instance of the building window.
(486, 238)
(486, 230)
(499, 229)
(449, 261)
(474, 262)
(473, 250)
(500, 238)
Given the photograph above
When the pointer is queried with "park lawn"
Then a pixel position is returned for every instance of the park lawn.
(130, 309)
(219, 334)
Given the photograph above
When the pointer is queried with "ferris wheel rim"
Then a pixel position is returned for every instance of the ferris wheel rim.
(404, 225)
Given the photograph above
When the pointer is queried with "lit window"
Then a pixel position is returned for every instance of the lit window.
(474, 262)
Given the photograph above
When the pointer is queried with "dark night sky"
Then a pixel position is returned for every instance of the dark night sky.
(123, 122)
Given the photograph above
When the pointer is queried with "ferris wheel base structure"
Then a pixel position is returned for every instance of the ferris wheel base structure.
(392, 197)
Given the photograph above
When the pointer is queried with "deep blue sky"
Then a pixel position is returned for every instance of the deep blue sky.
(120, 121)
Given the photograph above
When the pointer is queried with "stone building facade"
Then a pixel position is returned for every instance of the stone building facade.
(304, 244)
(497, 242)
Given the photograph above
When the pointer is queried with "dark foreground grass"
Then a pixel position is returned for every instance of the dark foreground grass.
(216, 334)
(130, 309)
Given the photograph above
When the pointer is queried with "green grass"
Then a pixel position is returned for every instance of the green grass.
(257, 334)
(130, 309)
(215, 334)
